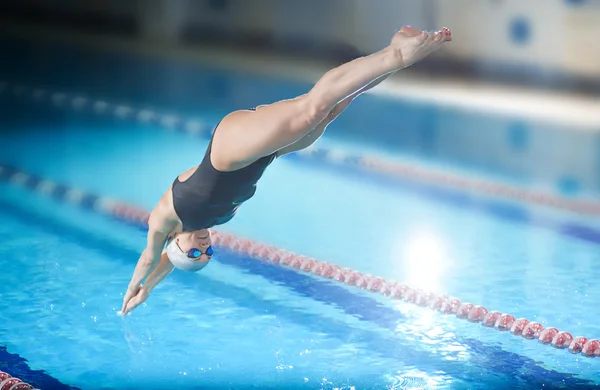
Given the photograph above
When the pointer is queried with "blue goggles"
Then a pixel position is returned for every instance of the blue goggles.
(194, 253)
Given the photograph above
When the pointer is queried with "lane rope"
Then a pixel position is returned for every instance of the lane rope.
(269, 254)
(8, 382)
(372, 164)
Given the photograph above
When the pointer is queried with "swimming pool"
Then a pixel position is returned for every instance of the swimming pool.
(245, 324)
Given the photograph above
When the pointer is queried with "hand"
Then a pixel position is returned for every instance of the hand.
(128, 295)
(137, 300)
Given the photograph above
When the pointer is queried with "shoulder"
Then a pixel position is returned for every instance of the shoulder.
(163, 217)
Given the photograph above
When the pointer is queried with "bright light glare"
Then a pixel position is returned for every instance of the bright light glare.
(425, 261)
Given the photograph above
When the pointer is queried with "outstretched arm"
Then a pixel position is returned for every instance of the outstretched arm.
(161, 271)
(318, 131)
(149, 258)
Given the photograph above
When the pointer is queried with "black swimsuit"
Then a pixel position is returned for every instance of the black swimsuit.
(211, 197)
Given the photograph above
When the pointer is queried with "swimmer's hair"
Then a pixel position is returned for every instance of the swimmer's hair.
(180, 260)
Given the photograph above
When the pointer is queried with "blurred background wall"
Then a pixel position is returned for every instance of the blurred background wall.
(543, 42)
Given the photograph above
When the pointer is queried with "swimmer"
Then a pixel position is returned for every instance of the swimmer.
(243, 145)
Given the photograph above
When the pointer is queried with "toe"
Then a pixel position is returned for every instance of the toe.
(423, 37)
(410, 31)
(447, 34)
(432, 37)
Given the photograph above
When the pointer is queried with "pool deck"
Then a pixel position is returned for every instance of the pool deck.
(579, 112)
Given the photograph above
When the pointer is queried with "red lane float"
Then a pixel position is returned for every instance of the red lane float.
(8, 382)
(272, 255)
(369, 163)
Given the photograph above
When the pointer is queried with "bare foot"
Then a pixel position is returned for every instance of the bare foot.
(412, 45)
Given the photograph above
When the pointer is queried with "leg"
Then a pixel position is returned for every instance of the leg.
(318, 131)
(245, 136)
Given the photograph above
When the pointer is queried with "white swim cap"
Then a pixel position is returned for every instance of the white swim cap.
(180, 259)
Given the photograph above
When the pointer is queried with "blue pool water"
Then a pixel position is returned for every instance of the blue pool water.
(241, 324)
